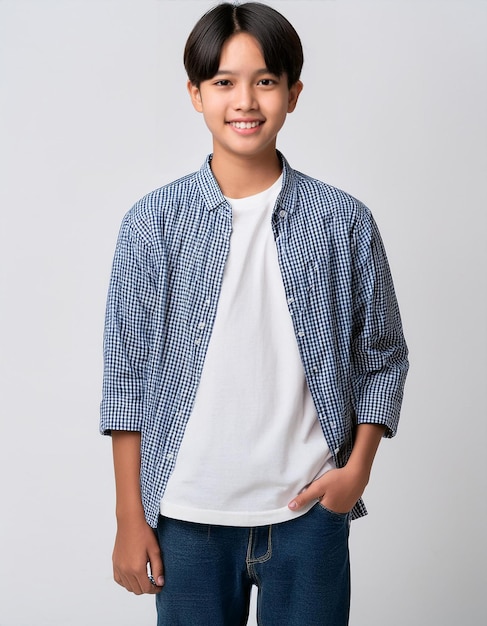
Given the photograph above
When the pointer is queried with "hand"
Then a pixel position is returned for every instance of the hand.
(337, 490)
(136, 546)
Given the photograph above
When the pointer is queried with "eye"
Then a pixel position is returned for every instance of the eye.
(222, 83)
(267, 82)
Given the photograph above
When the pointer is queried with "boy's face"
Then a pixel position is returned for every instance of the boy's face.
(244, 105)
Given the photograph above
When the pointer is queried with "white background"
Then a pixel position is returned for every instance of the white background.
(94, 114)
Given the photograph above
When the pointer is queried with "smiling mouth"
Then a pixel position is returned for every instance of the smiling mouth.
(245, 125)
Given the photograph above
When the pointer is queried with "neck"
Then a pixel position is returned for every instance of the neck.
(241, 177)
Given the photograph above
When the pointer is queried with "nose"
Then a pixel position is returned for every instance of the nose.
(245, 98)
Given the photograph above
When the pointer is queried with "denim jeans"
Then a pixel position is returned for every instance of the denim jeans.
(300, 568)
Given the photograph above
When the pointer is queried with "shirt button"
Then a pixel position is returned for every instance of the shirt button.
(198, 341)
(290, 300)
(170, 456)
(207, 302)
(301, 333)
(201, 325)
(282, 213)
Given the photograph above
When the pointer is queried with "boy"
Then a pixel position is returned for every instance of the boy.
(254, 357)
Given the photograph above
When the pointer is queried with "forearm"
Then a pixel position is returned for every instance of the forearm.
(126, 462)
(366, 443)
(136, 545)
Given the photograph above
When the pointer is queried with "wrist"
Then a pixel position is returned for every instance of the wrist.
(129, 514)
(358, 471)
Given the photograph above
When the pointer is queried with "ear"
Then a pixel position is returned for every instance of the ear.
(293, 95)
(195, 95)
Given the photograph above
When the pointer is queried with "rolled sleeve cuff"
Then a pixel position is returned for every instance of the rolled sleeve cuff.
(120, 416)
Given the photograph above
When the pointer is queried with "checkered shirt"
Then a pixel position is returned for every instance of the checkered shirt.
(163, 296)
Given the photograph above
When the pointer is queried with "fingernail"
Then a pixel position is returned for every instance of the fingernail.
(293, 505)
(160, 581)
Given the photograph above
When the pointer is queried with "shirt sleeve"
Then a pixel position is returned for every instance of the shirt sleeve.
(379, 350)
(126, 345)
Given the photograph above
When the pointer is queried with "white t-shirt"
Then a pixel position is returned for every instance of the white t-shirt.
(253, 440)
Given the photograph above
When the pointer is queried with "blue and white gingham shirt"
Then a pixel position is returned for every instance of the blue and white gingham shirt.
(163, 297)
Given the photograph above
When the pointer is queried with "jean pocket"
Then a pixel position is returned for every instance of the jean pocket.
(335, 514)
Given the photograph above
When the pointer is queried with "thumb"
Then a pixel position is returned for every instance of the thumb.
(312, 492)
(157, 568)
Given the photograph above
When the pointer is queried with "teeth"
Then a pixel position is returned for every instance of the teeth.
(243, 125)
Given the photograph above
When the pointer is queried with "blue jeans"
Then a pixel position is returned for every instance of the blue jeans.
(300, 568)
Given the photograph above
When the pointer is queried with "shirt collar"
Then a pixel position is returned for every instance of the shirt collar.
(214, 198)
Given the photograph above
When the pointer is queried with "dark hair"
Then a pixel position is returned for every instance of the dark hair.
(280, 43)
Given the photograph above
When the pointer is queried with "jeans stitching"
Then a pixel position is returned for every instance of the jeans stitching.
(265, 557)
(250, 561)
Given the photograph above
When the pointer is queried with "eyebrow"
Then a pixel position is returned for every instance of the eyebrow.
(264, 70)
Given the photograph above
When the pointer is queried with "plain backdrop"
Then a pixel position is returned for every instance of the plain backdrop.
(94, 114)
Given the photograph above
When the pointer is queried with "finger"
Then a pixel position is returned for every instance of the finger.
(156, 569)
(120, 578)
(148, 585)
(135, 582)
(141, 583)
(313, 492)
